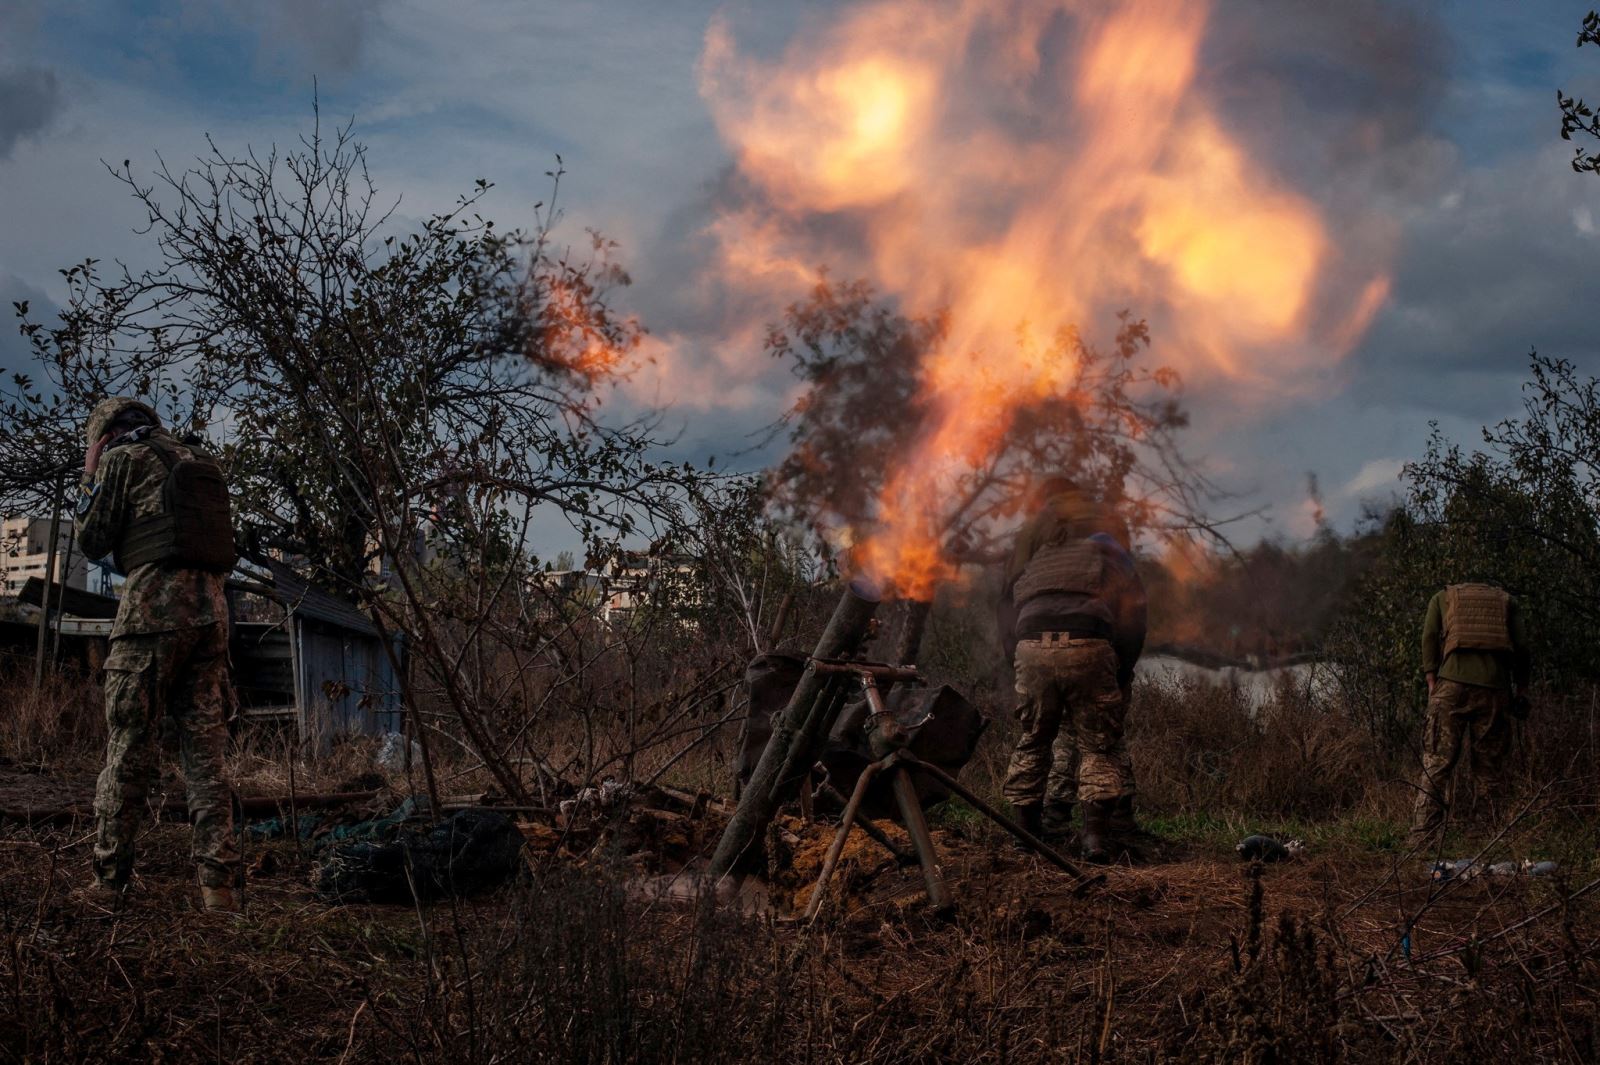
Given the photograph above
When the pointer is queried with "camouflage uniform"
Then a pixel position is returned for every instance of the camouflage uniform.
(1471, 708)
(1463, 720)
(1074, 657)
(169, 655)
(1071, 708)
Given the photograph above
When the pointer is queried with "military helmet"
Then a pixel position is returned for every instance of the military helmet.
(108, 411)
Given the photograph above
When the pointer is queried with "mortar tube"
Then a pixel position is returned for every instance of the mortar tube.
(914, 624)
(740, 842)
(812, 735)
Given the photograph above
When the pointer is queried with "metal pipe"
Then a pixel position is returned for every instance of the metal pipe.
(864, 670)
(49, 578)
(905, 796)
(66, 575)
(836, 848)
(913, 624)
(1044, 850)
(808, 740)
(740, 842)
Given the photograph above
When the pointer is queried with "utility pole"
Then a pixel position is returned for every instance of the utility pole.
(49, 581)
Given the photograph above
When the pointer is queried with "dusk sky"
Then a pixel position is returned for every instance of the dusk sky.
(1463, 197)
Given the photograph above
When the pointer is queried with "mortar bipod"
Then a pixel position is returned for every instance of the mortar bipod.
(887, 740)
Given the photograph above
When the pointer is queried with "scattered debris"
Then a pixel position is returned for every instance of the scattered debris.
(1467, 869)
(748, 895)
(472, 851)
(1268, 849)
(393, 756)
(590, 800)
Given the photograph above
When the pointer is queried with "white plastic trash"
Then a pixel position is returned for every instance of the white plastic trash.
(392, 753)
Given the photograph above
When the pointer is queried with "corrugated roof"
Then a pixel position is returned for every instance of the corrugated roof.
(309, 601)
(75, 601)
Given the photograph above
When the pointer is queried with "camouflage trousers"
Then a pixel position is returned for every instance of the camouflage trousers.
(1071, 709)
(1467, 723)
(185, 674)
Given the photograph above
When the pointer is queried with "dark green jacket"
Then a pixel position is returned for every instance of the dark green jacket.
(1482, 669)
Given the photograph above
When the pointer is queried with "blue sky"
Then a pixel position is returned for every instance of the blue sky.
(1498, 236)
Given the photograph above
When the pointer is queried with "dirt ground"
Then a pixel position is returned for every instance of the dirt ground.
(1190, 954)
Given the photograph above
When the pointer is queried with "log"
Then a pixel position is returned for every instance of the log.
(249, 805)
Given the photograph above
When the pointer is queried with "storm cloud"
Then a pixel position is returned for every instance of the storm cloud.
(1443, 118)
(30, 99)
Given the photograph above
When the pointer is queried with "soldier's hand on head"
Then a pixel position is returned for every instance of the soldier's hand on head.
(91, 461)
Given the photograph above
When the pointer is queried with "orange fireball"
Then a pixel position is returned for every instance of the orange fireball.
(1022, 167)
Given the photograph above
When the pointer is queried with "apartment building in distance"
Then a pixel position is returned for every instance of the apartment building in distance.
(25, 550)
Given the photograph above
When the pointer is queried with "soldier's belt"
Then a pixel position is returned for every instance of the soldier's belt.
(1049, 638)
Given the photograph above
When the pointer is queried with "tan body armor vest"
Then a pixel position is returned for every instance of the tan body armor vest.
(1476, 618)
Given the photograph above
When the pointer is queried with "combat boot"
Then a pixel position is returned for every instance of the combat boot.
(1057, 821)
(218, 899)
(1097, 830)
(100, 894)
(1122, 820)
(1030, 820)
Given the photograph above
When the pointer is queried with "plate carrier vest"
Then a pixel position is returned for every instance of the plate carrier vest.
(194, 529)
(1071, 566)
(1475, 619)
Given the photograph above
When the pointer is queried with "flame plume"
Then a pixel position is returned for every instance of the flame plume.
(1024, 163)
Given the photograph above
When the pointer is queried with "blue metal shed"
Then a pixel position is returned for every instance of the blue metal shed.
(344, 681)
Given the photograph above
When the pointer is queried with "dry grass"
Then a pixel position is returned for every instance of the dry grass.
(1181, 959)
(1196, 748)
(1190, 961)
(63, 723)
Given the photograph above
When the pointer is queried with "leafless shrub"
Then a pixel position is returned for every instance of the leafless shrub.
(1197, 747)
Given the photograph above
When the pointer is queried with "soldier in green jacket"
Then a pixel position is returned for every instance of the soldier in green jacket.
(1475, 659)
(160, 509)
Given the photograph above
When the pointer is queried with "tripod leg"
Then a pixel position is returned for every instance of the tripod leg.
(1047, 852)
(905, 795)
(837, 848)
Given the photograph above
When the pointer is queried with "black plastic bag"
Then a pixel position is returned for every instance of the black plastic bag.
(471, 852)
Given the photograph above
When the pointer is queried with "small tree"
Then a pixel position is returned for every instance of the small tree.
(1577, 116)
(383, 397)
(1112, 426)
(751, 571)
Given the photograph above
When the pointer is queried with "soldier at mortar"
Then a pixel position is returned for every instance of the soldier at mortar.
(1079, 621)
